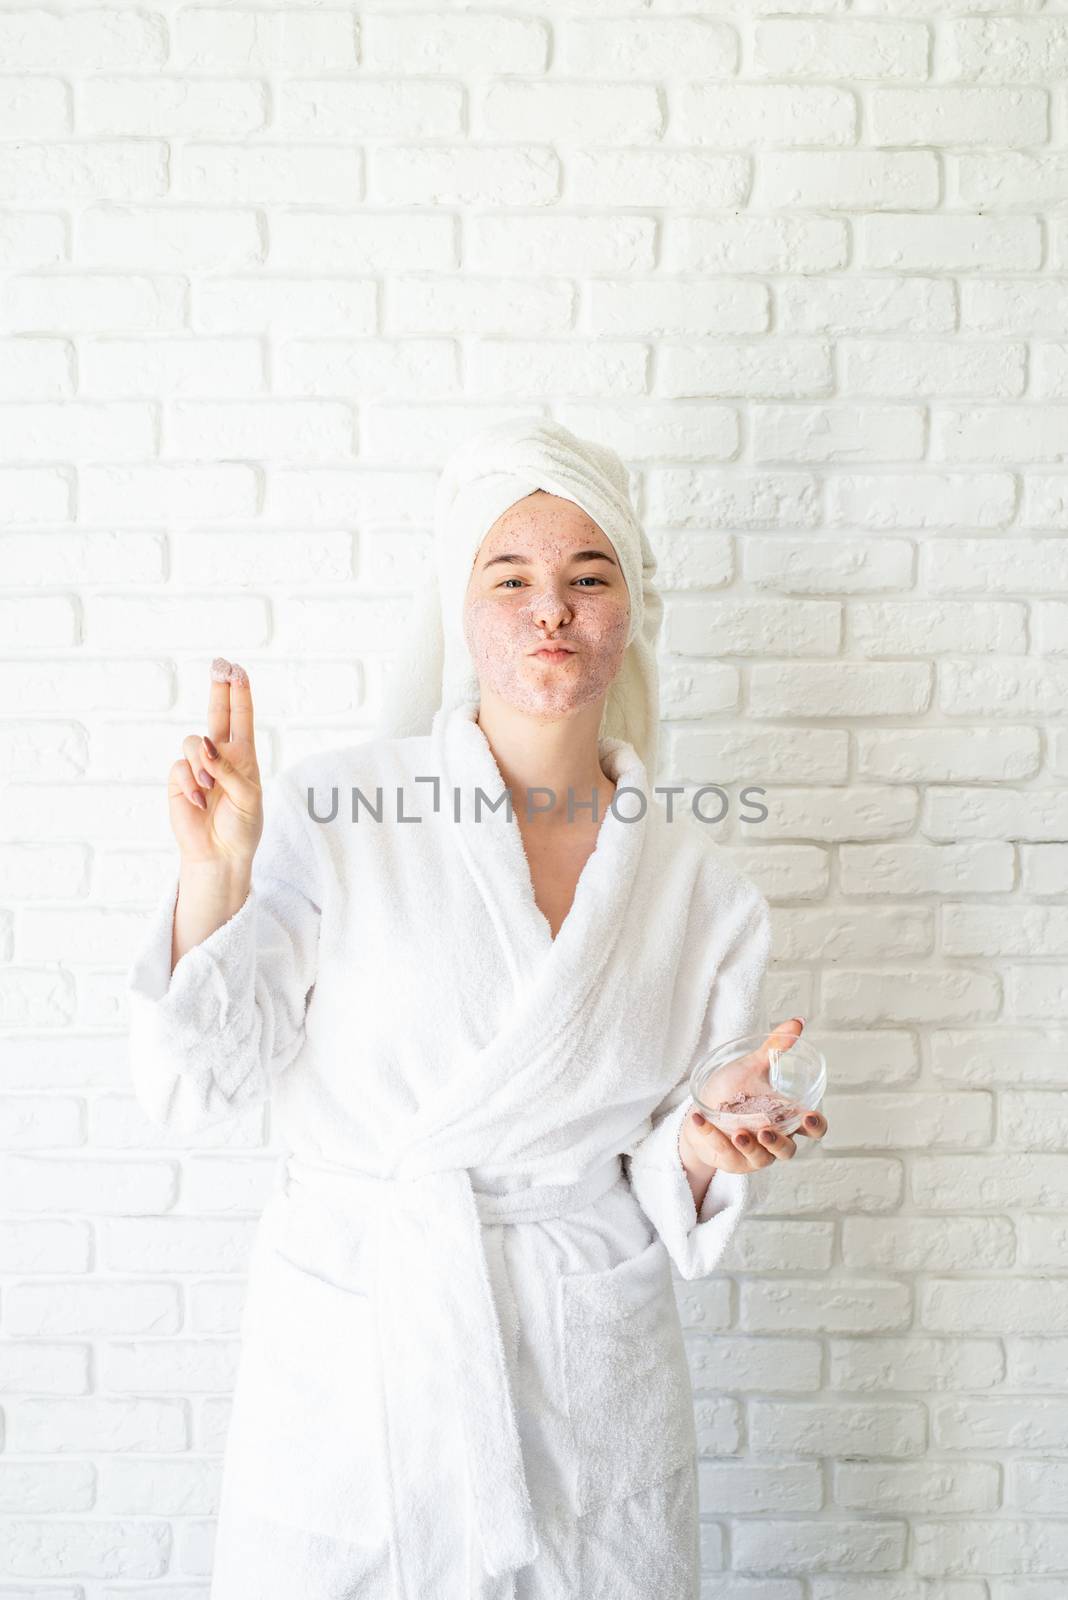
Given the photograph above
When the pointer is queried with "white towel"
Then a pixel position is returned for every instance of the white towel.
(489, 472)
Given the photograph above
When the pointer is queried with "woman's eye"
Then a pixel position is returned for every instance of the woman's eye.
(587, 577)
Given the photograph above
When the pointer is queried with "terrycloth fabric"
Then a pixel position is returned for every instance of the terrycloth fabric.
(483, 477)
(461, 1354)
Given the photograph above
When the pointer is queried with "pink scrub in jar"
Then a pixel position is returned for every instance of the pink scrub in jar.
(760, 1080)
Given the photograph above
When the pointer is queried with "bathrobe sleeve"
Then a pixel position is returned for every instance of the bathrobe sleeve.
(696, 1240)
(207, 1040)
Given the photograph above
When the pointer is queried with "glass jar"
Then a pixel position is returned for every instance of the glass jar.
(761, 1080)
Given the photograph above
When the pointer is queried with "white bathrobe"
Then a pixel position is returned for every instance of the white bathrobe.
(462, 1371)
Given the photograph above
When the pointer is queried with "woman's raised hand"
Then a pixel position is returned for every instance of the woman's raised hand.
(214, 790)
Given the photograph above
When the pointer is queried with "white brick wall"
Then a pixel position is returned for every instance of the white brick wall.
(807, 269)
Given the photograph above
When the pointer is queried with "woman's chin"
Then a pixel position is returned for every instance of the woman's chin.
(547, 699)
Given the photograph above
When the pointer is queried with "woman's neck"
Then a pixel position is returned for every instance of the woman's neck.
(561, 753)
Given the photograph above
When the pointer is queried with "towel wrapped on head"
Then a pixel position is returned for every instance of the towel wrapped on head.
(485, 475)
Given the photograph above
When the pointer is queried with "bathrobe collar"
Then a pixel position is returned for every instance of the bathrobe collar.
(552, 978)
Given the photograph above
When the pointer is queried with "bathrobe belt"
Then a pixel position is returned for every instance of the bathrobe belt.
(432, 1248)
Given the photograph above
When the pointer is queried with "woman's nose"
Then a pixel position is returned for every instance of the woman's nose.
(549, 609)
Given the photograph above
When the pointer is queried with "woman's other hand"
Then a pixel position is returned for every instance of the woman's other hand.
(705, 1149)
(214, 790)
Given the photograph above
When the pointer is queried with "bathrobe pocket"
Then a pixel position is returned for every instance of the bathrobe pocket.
(305, 1442)
(629, 1392)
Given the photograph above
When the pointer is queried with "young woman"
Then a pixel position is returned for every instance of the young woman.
(462, 1372)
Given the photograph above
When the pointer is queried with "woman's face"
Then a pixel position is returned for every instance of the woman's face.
(546, 572)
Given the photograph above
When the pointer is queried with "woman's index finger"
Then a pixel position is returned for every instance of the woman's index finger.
(241, 713)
